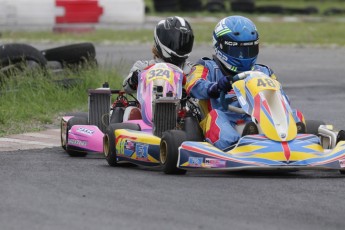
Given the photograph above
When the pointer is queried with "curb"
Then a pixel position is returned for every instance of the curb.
(36, 140)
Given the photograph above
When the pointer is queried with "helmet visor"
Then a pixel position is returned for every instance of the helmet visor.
(242, 50)
(179, 42)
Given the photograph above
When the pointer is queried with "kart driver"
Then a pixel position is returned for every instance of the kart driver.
(173, 43)
(236, 46)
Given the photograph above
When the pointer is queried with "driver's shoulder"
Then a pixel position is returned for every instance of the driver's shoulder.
(206, 62)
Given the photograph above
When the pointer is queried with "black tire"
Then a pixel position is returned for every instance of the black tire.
(17, 53)
(71, 54)
(117, 115)
(109, 140)
(215, 6)
(70, 123)
(170, 142)
(76, 114)
(62, 142)
(193, 129)
(246, 6)
(271, 9)
(312, 126)
(166, 5)
(190, 5)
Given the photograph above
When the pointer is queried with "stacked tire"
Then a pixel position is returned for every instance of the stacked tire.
(177, 5)
(246, 6)
(17, 57)
(71, 55)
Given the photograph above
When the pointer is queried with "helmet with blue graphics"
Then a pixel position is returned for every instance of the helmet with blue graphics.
(236, 43)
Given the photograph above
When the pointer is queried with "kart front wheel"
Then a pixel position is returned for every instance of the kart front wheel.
(109, 148)
(63, 134)
(170, 142)
(74, 121)
(63, 126)
(312, 126)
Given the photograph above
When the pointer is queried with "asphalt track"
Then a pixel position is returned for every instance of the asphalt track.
(46, 189)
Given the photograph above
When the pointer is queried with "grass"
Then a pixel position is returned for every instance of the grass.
(29, 101)
(311, 32)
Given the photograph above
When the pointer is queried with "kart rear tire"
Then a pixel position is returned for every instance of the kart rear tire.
(170, 142)
(70, 123)
(109, 149)
(193, 129)
(117, 115)
(312, 126)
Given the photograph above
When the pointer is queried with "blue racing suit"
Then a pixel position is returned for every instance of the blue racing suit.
(218, 123)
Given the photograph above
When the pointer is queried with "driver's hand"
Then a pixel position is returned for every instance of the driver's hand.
(133, 80)
(224, 84)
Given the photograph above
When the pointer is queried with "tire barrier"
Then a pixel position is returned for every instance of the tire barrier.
(247, 6)
(334, 11)
(177, 5)
(73, 54)
(51, 13)
(17, 57)
(16, 53)
(214, 6)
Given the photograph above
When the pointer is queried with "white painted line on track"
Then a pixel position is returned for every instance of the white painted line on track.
(36, 140)
(26, 142)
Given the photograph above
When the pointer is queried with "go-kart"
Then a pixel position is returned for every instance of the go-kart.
(130, 128)
(82, 133)
(276, 146)
(164, 113)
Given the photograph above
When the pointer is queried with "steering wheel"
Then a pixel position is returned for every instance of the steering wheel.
(226, 102)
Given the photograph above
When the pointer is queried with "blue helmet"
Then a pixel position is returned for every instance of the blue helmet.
(236, 43)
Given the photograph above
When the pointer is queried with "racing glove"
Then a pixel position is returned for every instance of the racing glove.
(213, 90)
(224, 84)
(133, 80)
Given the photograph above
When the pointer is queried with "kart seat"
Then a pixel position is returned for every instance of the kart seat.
(132, 113)
(250, 129)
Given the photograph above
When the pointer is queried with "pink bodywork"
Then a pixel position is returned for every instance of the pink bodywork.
(88, 137)
(167, 76)
(164, 75)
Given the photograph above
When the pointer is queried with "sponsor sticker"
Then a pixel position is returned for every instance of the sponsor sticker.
(142, 151)
(85, 131)
(342, 163)
(77, 142)
(214, 163)
(195, 161)
(129, 145)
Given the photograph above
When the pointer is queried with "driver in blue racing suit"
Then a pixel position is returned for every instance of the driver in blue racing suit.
(236, 45)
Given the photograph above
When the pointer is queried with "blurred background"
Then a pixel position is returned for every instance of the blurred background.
(62, 14)
(308, 7)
